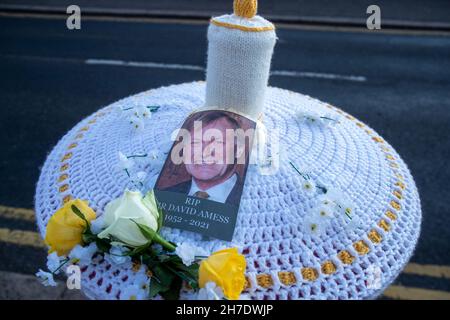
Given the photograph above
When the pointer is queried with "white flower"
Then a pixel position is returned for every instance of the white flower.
(245, 297)
(156, 158)
(124, 162)
(324, 212)
(133, 292)
(137, 123)
(140, 176)
(154, 154)
(117, 255)
(122, 214)
(98, 225)
(83, 255)
(346, 208)
(324, 200)
(188, 252)
(46, 278)
(53, 262)
(210, 292)
(142, 281)
(314, 226)
(142, 113)
(308, 186)
(309, 116)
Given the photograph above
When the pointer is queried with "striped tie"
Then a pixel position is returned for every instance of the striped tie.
(201, 195)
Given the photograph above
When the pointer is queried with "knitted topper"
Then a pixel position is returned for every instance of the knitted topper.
(245, 8)
(239, 53)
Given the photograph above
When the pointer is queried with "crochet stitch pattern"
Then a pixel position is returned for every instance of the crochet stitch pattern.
(282, 261)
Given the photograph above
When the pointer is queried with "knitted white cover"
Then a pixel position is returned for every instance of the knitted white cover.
(238, 65)
(282, 261)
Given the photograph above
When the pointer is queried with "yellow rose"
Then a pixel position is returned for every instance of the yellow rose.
(65, 228)
(226, 268)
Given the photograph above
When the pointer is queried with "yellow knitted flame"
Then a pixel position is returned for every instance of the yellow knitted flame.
(245, 8)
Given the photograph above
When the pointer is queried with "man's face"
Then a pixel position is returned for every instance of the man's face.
(211, 143)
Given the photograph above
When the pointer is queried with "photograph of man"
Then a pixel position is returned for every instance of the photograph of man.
(212, 178)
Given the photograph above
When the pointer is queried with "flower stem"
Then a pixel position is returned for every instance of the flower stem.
(166, 244)
(60, 266)
(137, 156)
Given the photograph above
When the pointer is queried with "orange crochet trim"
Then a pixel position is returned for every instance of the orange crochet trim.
(242, 28)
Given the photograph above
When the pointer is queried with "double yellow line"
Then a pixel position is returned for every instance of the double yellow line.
(33, 239)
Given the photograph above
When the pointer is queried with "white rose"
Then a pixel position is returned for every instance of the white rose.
(122, 214)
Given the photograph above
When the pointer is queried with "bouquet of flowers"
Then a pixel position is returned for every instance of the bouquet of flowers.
(129, 232)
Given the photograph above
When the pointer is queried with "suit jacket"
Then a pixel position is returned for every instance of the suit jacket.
(233, 198)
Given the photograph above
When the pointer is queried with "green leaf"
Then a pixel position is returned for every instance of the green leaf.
(138, 251)
(160, 219)
(156, 288)
(82, 217)
(174, 292)
(164, 275)
(103, 245)
(147, 232)
(153, 108)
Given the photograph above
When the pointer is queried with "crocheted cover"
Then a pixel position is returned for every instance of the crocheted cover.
(283, 261)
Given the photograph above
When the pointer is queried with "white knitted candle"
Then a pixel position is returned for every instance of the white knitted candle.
(239, 54)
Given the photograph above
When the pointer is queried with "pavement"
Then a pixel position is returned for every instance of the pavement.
(397, 82)
(400, 13)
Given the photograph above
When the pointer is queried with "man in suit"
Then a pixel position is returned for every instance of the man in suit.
(213, 177)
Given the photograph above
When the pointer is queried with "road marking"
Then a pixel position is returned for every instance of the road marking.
(282, 73)
(408, 293)
(189, 67)
(428, 270)
(328, 76)
(17, 213)
(121, 63)
(22, 238)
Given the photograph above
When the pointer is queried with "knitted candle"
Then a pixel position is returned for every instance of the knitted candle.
(239, 54)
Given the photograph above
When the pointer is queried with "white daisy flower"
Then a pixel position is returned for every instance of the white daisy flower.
(188, 252)
(309, 116)
(53, 262)
(142, 281)
(98, 225)
(346, 208)
(139, 177)
(314, 226)
(308, 186)
(133, 292)
(117, 255)
(324, 200)
(324, 212)
(142, 113)
(137, 123)
(210, 292)
(83, 255)
(46, 278)
(124, 162)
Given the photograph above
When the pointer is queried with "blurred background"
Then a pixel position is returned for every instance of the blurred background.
(397, 80)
